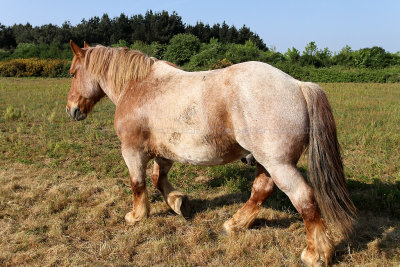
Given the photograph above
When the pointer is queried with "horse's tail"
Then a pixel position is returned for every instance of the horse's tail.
(325, 165)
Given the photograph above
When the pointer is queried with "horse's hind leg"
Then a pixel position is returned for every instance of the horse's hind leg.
(136, 162)
(175, 199)
(319, 246)
(263, 187)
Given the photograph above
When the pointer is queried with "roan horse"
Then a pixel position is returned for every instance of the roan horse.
(216, 117)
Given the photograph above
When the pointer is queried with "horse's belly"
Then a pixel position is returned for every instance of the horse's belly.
(206, 152)
(208, 156)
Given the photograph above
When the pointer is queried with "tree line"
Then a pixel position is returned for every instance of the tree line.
(152, 27)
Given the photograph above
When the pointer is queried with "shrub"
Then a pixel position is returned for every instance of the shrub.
(237, 53)
(182, 47)
(121, 43)
(26, 50)
(158, 50)
(210, 54)
(220, 64)
(4, 54)
(272, 57)
(34, 67)
(142, 47)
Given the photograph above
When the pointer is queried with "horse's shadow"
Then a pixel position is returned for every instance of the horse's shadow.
(378, 223)
(377, 226)
(370, 234)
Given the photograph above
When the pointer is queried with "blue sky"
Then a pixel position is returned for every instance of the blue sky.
(280, 23)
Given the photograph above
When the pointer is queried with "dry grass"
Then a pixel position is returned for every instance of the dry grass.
(64, 190)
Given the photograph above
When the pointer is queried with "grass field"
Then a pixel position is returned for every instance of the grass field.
(64, 190)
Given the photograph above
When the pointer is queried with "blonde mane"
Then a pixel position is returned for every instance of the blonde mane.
(118, 65)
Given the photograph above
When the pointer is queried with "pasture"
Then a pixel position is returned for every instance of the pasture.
(64, 189)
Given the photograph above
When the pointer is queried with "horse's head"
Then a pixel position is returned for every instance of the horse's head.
(85, 90)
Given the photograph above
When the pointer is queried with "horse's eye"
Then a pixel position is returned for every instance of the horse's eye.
(73, 75)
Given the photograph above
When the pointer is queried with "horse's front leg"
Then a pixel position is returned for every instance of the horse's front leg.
(175, 199)
(136, 162)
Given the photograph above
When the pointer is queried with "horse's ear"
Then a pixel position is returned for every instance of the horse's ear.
(76, 49)
(85, 45)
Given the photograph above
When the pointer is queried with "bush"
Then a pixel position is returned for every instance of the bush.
(4, 54)
(272, 57)
(237, 53)
(121, 43)
(34, 67)
(220, 64)
(341, 74)
(55, 51)
(158, 50)
(142, 47)
(182, 47)
(210, 54)
(43, 51)
(25, 50)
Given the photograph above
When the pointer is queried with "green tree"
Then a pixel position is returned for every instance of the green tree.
(142, 47)
(292, 55)
(325, 56)
(209, 54)
(375, 57)
(345, 57)
(121, 43)
(26, 50)
(309, 56)
(23, 33)
(7, 40)
(311, 49)
(182, 47)
(237, 53)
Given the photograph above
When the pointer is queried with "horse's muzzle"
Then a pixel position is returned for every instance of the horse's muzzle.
(75, 113)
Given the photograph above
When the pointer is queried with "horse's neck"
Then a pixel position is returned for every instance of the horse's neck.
(108, 90)
(161, 69)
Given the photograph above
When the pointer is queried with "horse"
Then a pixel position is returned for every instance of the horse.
(216, 117)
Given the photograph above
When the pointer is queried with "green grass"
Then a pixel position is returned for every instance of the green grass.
(64, 189)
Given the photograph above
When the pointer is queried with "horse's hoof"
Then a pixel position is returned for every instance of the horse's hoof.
(228, 229)
(224, 232)
(130, 218)
(312, 260)
(179, 203)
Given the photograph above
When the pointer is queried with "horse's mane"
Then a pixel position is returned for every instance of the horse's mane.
(118, 65)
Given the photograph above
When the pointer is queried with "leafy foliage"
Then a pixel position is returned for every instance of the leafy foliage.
(241, 53)
(209, 54)
(34, 68)
(182, 47)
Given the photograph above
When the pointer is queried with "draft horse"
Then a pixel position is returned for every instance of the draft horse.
(215, 117)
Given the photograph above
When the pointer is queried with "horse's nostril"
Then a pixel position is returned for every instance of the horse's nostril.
(75, 113)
